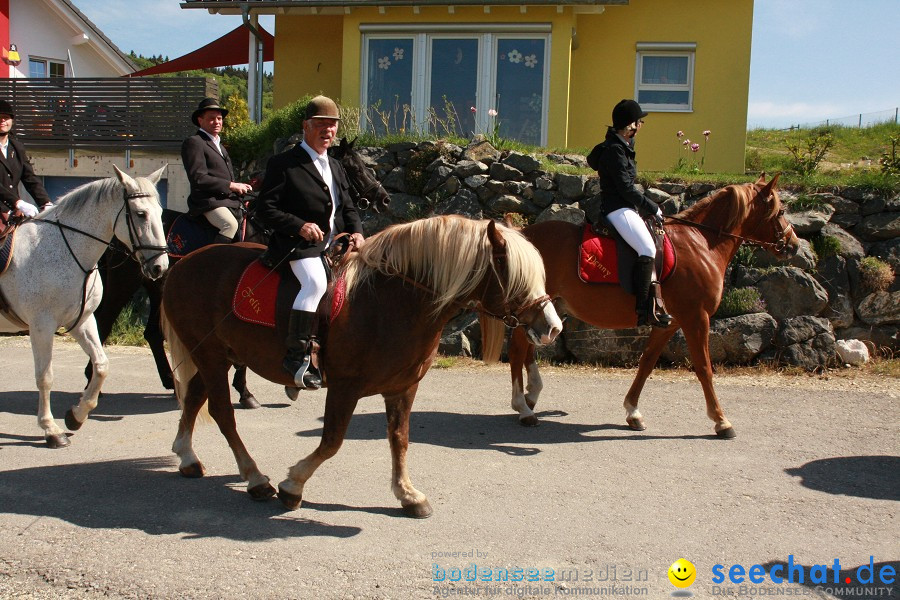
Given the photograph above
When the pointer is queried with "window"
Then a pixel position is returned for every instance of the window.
(665, 76)
(431, 82)
(42, 67)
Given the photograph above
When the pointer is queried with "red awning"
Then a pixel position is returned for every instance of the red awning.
(230, 49)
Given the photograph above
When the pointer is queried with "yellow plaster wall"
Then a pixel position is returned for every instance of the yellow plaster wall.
(603, 72)
(308, 57)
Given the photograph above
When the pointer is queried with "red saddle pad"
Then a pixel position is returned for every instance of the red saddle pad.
(255, 295)
(598, 259)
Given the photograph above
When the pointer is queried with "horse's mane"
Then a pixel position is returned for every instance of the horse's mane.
(449, 255)
(90, 194)
(739, 198)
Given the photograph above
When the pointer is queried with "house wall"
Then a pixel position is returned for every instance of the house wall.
(603, 72)
(587, 78)
(39, 29)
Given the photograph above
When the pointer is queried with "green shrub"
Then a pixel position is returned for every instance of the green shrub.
(804, 202)
(128, 330)
(416, 175)
(825, 245)
(740, 301)
(745, 256)
(251, 141)
(875, 274)
(889, 161)
(808, 153)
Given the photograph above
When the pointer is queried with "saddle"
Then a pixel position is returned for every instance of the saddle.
(189, 233)
(9, 222)
(603, 254)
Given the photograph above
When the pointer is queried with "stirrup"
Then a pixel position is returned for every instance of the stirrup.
(658, 315)
(304, 376)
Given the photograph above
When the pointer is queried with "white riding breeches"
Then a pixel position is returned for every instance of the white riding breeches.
(633, 230)
(222, 219)
(310, 272)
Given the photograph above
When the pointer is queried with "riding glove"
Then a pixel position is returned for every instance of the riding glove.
(29, 210)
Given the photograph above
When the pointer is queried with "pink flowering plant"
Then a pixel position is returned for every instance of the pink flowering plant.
(493, 134)
(687, 161)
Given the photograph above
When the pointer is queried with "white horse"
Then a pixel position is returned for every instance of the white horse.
(52, 280)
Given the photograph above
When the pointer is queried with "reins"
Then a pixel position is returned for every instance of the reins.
(777, 247)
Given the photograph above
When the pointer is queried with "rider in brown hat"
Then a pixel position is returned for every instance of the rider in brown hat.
(16, 167)
(305, 200)
(214, 192)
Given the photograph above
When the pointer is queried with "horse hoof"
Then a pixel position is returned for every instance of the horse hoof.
(249, 401)
(529, 421)
(531, 403)
(727, 434)
(57, 440)
(71, 422)
(263, 491)
(290, 501)
(422, 510)
(636, 424)
(193, 471)
(292, 392)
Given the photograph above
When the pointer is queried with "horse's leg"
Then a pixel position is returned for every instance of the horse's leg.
(42, 350)
(698, 345)
(87, 337)
(154, 335)
(655, 344)
(119, 285)
(414, 503)
(221, 410)
(193, 400)
(240, 384)
(339, 407)
(521, 353)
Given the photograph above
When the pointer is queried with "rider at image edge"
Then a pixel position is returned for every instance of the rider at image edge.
(15, 168)
(625, 207)
(305, 200)
(214, 193)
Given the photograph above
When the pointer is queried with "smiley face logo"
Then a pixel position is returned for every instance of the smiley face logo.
(682, 573)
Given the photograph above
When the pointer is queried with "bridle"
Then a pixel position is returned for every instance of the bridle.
(361, 198)
(782, 234)
(510, 318)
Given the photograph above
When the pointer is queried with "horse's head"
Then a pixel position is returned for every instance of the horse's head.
(514, 290)
(772, 231)
(364, 186)
(141, 229)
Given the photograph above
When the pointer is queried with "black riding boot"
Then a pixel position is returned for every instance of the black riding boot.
(649, 310)
(299, 343)
(221, 239)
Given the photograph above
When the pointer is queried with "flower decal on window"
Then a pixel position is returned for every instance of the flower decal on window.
(398, 53)
(531, 61)
(515, 56)
(384, 63)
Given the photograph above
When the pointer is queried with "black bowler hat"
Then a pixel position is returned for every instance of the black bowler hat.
(6, 108)
(205, 105)
(625, 113)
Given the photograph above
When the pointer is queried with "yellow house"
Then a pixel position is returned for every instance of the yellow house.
(551, 70)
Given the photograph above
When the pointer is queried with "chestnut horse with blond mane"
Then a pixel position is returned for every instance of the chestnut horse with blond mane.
(402, 287)
(705, 237)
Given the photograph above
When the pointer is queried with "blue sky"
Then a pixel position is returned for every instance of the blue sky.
(812, 59)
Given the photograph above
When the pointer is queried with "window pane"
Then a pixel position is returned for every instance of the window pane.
(520, 89)
(662, 70)
(389, 89)
(454, 82)
(663, 97)
(37, 68)
(57, 69)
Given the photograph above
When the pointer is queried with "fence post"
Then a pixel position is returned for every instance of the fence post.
(860, 121)
(895, 114)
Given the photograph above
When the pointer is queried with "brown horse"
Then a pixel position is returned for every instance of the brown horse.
(706, 237)
(402, 287)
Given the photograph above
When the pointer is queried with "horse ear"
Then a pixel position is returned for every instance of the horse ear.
(766, 192)
(124, 177)
(155, 176)
(352, 143)
(762, 179)
(495, 237)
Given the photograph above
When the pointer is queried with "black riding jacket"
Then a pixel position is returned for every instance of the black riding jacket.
(614, 161)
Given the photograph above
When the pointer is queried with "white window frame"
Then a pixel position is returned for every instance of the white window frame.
(687, 50)
(487, 33)
(47, 62)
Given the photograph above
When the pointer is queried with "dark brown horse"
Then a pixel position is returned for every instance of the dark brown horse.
(402, 287)
(706, 237)
(122, 278)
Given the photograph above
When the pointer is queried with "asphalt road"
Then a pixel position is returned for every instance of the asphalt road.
(583, 505)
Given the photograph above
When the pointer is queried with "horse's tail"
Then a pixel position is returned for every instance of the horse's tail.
(492, 334)
(184, 368)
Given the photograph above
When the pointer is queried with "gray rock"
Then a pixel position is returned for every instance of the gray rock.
(832, 275)
(806, 342)
(656, 195)
(889, 252)
(502, 172)
(440, 161)
(438, 176)
(407, 207)
(592, 186)
(850, 246)
(790, 292)
(841, 205)
(524, 163)
(449, 187)
(543, 198)
(810, 221)
(881, 226)
(880, 308)
(670, 188)
(461, 336)
(561, 212)
(570, 186)
(465, 203)
(401, 147)
(474, 181)
(847, 221)
(481, 151)
(872, 204)
(735, 340)
(588, 344)
(506, 203)
(544, 182)
(469, 168)
(879, 339)
(796, 330)
(804, 259)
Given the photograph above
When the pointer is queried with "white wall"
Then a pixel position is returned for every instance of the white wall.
(43, 28)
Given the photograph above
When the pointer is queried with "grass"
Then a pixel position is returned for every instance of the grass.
(128, 329)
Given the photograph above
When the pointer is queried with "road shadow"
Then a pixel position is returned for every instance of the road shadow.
(876, 477)
(149, 495)
(861, 581)
(110, 407)
(493, 432)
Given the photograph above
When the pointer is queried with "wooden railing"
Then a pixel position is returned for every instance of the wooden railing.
(116, 114)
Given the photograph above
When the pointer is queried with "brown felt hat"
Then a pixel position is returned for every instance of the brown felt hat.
(322, 107)
(205, 105)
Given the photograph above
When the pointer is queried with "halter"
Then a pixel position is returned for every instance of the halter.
(362, 200)
(510, 318)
